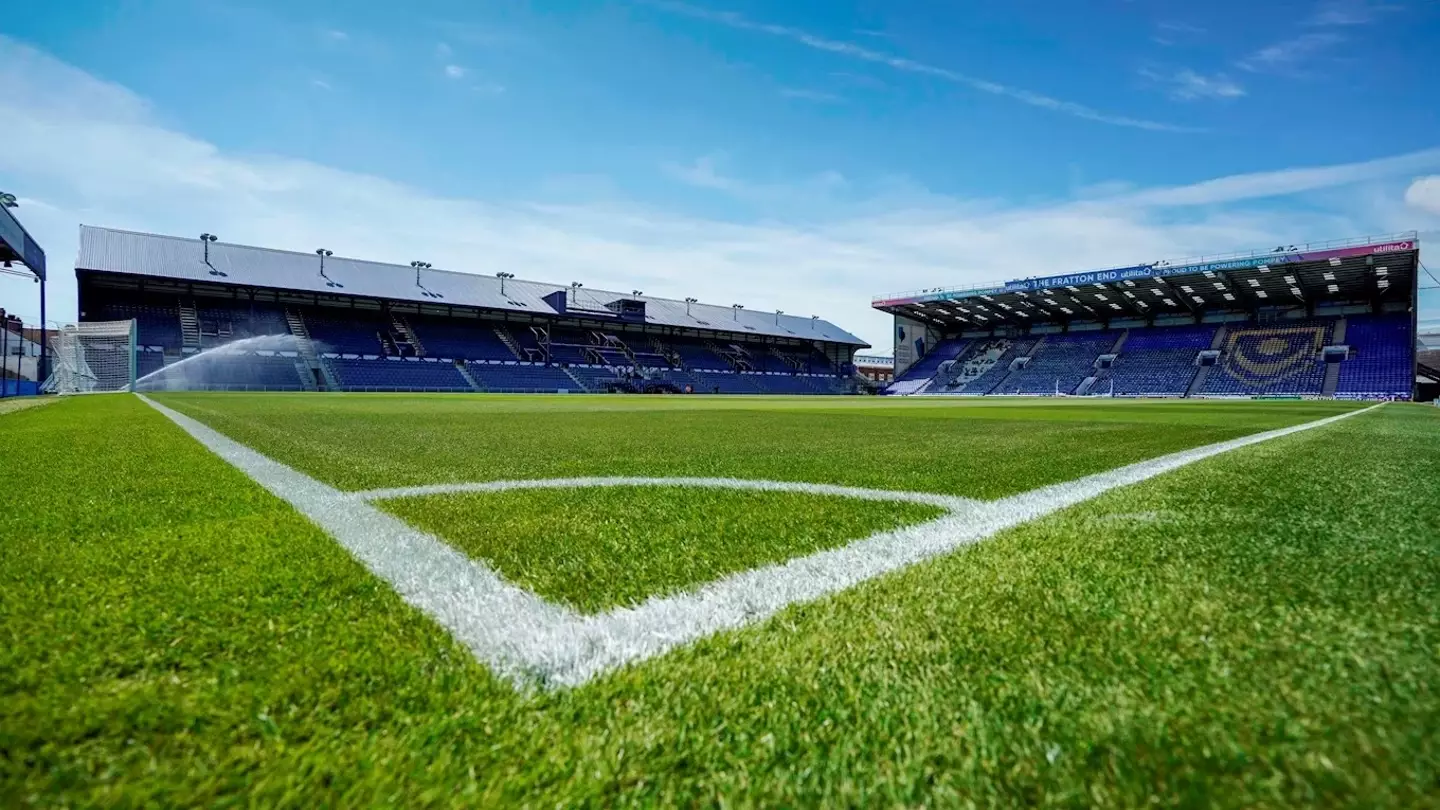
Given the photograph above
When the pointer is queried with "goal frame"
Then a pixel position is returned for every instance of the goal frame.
(71, 372)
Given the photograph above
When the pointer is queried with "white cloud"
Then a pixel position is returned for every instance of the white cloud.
(705, 173)
(1187, 85)
(702, 174)
(83, 150)
(455, 71)
(320, 84)
(1424, 194)
(1287, 55)
(853, 51)
(1286, 182)
(335, 35)
(1350, 12)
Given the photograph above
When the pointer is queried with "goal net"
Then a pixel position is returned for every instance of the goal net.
(93, 357)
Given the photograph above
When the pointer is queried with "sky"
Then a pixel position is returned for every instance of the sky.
(803, 156)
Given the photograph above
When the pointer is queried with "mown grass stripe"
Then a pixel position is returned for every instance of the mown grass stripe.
(525, 637)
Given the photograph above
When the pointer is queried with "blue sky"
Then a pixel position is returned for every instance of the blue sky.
(800, 155)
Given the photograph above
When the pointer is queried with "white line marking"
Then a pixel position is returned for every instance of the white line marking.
(529, 640)
(950, 502)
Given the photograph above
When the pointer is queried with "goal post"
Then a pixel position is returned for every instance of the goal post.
(94, 357)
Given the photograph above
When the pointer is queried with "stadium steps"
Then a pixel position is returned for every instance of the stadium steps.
(1219, 342)
(734, 361)
(670, 355)
(306, 346)
(542, 339)
(189, 325)
(307, 377)
(578, 383)
(405, 330)
(1337, 336)
(756, 382)
(509, 341)
(683, 378)
(1120, 341)
(789, 360)
(629, 354)
(469, 379)
(1332, 379)
(1202, 373)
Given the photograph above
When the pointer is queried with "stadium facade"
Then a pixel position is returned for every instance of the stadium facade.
(1335, 319)
(297, 321)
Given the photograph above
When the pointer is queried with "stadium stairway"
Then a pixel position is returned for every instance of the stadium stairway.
(1332, 370)
(465, 372)
(1220, 335)
(509, 341)
(403, 330)
(306, 347)
(189, 325)
(1196, 385)
(579, 383)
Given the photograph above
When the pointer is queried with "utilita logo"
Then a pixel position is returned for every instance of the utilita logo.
(1393, 247)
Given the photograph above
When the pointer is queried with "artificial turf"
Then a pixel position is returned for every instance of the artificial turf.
(1258, 629)
(600, 548)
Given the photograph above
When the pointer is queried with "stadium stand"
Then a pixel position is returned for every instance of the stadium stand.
(1156, 362)
(1058, 364)
(978, 357)
(231, 371)
(1381, 360)
(915, 377)
(398, 374)
(1275, 358)
(523, 377)
(1325, 319)
(1282, 357)
(388, 330)
(990, 379)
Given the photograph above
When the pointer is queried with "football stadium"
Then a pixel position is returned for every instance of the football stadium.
(302, 530)
(1334, 319)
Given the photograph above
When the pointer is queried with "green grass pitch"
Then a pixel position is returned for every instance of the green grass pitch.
(1260, 628)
